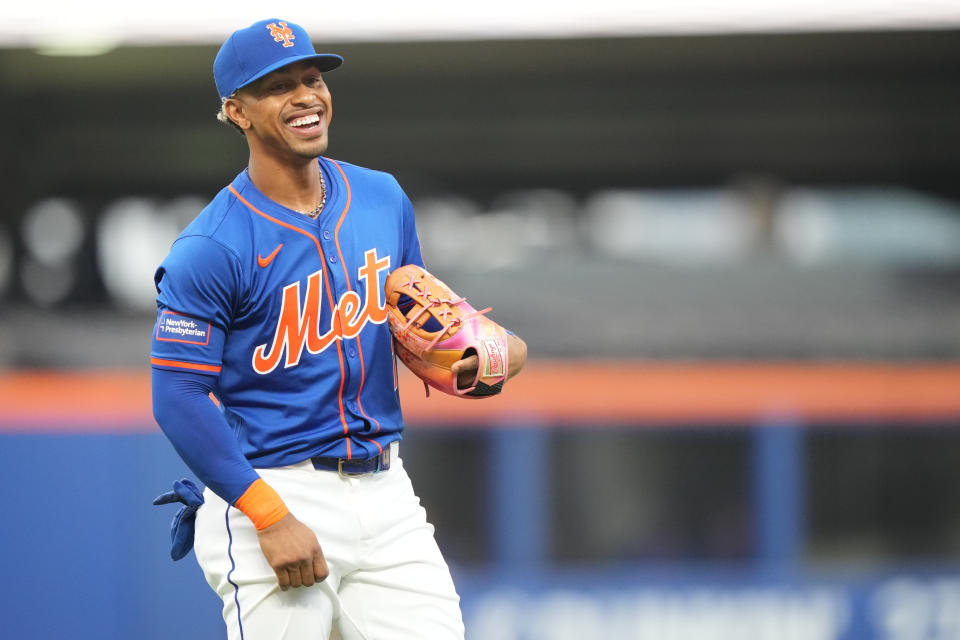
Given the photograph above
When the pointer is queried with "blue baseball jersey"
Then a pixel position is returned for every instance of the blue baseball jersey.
(288, 312)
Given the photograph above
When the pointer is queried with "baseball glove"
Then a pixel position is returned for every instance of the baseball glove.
(433, 328)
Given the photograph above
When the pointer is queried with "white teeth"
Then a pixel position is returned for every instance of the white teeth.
(305, 120)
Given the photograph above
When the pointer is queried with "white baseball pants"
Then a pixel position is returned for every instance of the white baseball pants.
(388, 580)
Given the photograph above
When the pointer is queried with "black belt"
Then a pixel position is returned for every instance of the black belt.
(354, 467)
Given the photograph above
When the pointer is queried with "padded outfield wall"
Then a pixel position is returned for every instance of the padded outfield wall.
(87, 555)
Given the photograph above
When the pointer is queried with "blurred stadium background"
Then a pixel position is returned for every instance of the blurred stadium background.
(730, 238)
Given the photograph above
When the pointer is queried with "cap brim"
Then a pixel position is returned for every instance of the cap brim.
(324, 62)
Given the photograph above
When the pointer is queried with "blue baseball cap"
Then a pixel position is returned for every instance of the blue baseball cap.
(265, 46)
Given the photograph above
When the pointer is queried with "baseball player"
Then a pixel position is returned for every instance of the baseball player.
(274, 374)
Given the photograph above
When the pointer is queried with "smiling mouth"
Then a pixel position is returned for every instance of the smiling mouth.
(305, 122)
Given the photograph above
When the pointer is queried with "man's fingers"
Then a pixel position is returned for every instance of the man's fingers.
(320, 569)
(294, 553)
(307, 577)
(470, 362)
(304, 574)
(283, 579)
(294, 573)
(466, 371)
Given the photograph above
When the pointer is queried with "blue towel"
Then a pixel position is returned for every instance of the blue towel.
(182, 527)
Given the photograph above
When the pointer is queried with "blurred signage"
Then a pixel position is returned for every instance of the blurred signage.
(896, 608)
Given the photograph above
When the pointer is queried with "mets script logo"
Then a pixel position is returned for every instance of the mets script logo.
(299, 327)
(282, 33)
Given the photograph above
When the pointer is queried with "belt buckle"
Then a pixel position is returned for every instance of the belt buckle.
(383, 463)
(348, 473)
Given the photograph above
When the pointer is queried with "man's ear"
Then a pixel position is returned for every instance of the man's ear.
(234, 110)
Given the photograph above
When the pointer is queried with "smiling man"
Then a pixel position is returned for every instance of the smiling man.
(272, 301)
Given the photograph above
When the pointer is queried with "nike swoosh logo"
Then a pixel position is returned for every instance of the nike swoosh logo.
(263, 262)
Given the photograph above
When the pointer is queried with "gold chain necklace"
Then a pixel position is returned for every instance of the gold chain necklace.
(323, 198)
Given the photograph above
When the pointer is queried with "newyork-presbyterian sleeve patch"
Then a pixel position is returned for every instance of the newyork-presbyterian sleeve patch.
(176, 327)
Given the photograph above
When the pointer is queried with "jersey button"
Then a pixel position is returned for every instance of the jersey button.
(326, 234)
(352, 352)
(332, 259)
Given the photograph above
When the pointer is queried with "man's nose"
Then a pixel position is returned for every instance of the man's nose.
(305, 95)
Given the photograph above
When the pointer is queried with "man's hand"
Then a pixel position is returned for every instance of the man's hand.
(292, 550)
(466, 369)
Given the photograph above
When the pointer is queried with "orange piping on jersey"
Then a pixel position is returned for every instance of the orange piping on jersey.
(326, 282)
(379, 448)
(185, 365)
(261, 504)
(340, 398)
(336, 240)
(339, 326)
(214, 399)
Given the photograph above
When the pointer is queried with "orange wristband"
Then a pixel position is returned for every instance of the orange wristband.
(261, 504)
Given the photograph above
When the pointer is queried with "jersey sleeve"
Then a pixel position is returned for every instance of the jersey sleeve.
(198, 287)
(411, 240)
(198, 431)
(201, 436)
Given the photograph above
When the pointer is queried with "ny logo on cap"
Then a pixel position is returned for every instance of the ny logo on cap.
(281, 33)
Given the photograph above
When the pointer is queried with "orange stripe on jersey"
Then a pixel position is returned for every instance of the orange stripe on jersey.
(343, 214)
(185, 365)
(379, 448)
(336, 239)
(261, 504)
(326, 282)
